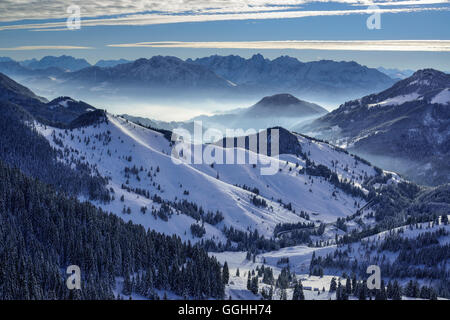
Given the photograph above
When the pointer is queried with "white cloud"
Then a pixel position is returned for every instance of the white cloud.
(362, 45)
(158, 18)
(140, 12)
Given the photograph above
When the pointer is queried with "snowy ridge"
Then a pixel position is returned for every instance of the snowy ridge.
(442, 97)
(398, 100)
(111, 146)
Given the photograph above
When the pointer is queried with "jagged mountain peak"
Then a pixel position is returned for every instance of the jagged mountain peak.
(429, 79)
(257, 58)
(425, 78)
(427, 73)
(63, 62)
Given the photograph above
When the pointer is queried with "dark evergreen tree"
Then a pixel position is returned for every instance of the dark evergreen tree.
(225, 273)
(396, 291)
(298, 291)
(333, 285)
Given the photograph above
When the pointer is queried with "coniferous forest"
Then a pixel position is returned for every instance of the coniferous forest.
(43, 231)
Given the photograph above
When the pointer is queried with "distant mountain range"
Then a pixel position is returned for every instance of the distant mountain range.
(230, 78)
(17, 70)
(65, 63)
(157, 72)
(61, 63)
(405, 128)
(396, 73)
(328, 79)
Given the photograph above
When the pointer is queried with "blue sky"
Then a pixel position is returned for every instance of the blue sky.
(323, 30)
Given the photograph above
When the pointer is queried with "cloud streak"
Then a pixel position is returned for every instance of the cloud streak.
(360, 45)
(14, 10)
(157, 18)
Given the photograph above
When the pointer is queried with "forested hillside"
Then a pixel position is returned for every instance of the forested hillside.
(42, 232)
(22, 147)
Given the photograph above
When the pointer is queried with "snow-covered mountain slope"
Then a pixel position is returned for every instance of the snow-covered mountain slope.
(384, 248)
(300, 256)
(237, 287)
(405, 128)
(139, 159)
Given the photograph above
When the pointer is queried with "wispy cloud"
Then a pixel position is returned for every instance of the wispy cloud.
(361, 45)
(26, 48)
(158, 18)
(399, 3)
